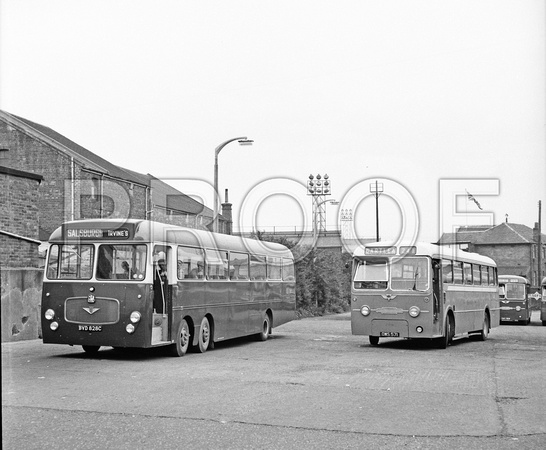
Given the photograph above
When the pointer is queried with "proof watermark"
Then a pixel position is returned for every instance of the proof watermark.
(190, 205)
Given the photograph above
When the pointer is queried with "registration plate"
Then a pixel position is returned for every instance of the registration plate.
(389, 334)
(90, 327)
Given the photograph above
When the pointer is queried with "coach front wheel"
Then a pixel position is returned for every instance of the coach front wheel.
(374, 340)
(91, 349)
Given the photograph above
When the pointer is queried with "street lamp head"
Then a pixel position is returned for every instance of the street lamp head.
(246, 141)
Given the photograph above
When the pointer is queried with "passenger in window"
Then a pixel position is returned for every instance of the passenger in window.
(160, 283)
(104, 267)
(126, 270)
(197, 272)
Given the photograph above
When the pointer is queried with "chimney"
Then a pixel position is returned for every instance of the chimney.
(226, 212)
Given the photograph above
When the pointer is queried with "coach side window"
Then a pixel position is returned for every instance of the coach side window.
(191, 263)
(273, 268)
(238, 266)
(288, 270)
(257, 268)
(217, 264)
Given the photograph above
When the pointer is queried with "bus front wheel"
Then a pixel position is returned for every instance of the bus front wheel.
(182, 339)
(374, 340)
(445, 340)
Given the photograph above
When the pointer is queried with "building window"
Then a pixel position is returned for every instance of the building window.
(4, 153)
(94, 188)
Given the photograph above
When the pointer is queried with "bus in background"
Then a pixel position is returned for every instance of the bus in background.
(543, 302)
(422, 291)
(141, 284)
(514, 299)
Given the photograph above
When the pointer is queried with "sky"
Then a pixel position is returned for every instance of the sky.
(434, 99)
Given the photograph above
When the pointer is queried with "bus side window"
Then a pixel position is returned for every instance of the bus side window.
(476, 272)
(447, 271)
(457, 272)
(485, 276)
(467, 270)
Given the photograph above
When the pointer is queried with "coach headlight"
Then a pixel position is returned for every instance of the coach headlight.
(54, 326)
(49, 314)
(135, 317)
(414, 311)
(130, 328)
(518, 308)
(365, 310)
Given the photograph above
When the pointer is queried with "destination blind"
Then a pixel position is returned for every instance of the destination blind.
(96, 233)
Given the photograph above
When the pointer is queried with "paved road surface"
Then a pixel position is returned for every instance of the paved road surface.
(313, 385)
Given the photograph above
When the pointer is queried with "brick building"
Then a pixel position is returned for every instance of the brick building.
(78, 184)
(19, 233)
(514, 247)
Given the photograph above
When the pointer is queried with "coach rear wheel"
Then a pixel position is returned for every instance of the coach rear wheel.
(182, 339)
(204, 335)
(374, 340)
(91, 349)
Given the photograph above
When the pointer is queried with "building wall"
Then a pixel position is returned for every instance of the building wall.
(21, 298)
(19, 215)
(507, 256)
(67, 190)
(31, 155)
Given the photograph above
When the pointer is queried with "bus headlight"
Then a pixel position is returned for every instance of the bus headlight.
(135, 317)
(365, 310)
(49, 314)
(518, 308)
(130, 328)
(414, 311)
(53, 326)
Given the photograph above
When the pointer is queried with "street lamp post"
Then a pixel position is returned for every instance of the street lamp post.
(243, 141)
(376, 189)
